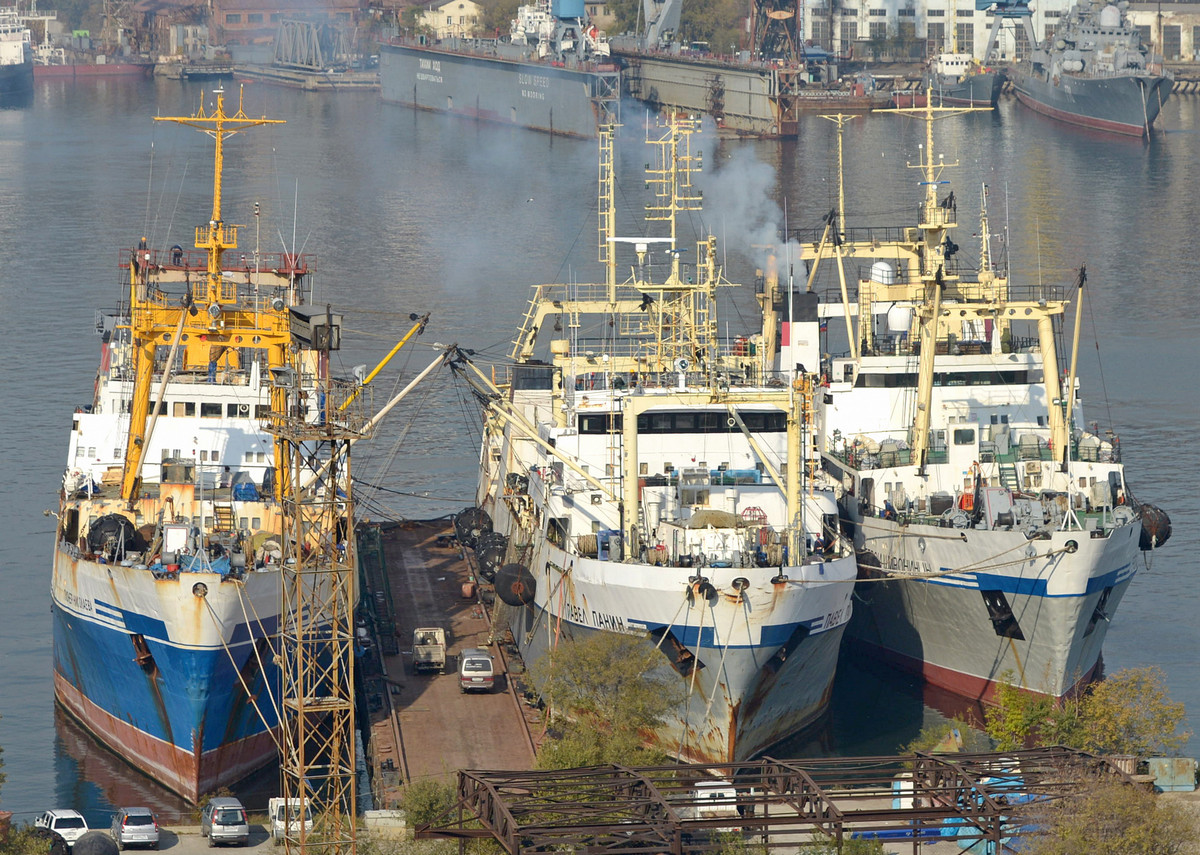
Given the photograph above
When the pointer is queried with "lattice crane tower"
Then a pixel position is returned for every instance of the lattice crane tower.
(315, 419)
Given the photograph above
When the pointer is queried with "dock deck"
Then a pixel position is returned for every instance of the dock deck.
(428, 729)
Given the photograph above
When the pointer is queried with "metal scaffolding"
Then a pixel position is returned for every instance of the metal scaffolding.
(767, 802)
(315, 419)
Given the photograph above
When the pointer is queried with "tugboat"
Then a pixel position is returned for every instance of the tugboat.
(1095, 72)
(649, 479)
(995, 530)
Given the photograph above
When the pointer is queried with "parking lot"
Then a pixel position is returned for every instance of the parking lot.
(186, 840)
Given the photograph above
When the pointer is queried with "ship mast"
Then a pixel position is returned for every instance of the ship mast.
(210, 311)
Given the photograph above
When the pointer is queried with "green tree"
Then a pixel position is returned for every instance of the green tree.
(712, 21)
(626, 15)
(25, 840)
(933, 738)
(821, 845)
(424, 801)
(1110, 817)
(498, 17)
(605, 694)
(1130, 712)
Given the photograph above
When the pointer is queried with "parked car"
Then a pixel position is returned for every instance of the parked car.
(223, 820)
(475, 670)
(70, 825)
(67, 824)
(285, 818)
(135, 826)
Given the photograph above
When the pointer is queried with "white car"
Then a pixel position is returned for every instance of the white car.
(67, 824)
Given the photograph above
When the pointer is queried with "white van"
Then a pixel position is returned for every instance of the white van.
(475, 670)
(285, 818)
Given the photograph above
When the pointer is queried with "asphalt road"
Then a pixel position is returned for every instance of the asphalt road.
(186, 840)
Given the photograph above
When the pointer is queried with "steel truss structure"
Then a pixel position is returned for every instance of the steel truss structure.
(768, 802)
(316, 635)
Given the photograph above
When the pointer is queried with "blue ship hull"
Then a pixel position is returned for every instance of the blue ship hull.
(192, 711)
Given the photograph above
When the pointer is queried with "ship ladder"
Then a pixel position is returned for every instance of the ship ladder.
(1008, 476)
(223, 518)
(527, 329)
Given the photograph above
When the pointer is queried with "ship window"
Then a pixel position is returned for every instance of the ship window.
(91, 451)
(203, 455)
(557, 530)
(262, 457)
(244, 523)
(964, 436)
(254, 18)
(215, 457)
(248, 457)
(185, 408)
(210, 411)
(262, 411)
(256, 522)
(233, 19)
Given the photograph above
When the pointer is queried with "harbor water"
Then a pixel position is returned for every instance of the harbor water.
(414, 212)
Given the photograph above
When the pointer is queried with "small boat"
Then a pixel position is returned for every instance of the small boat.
(954, 79)
(641, 476)
(995, 530)
(1095, 72)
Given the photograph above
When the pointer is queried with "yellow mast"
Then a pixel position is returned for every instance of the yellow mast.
(209, 314)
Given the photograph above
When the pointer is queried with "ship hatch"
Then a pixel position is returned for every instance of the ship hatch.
(1001, 615)
(1100, 612)
(681, 659)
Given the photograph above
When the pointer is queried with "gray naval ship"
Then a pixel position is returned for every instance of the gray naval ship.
(1095, 72)
(553, 73)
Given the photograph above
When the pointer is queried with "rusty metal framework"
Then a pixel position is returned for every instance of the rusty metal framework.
(316, 636)
(768, 802)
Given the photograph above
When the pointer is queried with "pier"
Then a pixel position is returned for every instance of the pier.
(421, 726)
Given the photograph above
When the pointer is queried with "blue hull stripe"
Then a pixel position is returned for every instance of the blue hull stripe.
(1029, 587)
(195, 690)
(774, 635)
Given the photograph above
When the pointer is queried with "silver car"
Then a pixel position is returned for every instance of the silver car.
(135, 826)
(223, 820)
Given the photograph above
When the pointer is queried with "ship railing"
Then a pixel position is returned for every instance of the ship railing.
(196, 261)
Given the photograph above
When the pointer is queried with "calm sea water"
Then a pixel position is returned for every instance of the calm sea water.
(409, 212)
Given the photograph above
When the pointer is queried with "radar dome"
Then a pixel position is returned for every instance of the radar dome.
(1110, 16)
(882, 273)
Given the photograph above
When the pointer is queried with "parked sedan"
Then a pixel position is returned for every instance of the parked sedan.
(135, 826)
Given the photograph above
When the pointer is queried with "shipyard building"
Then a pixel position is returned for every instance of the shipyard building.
(907, 31)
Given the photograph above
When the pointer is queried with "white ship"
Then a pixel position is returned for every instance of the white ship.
(654, 481)
(995, 531)
(166, 589)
